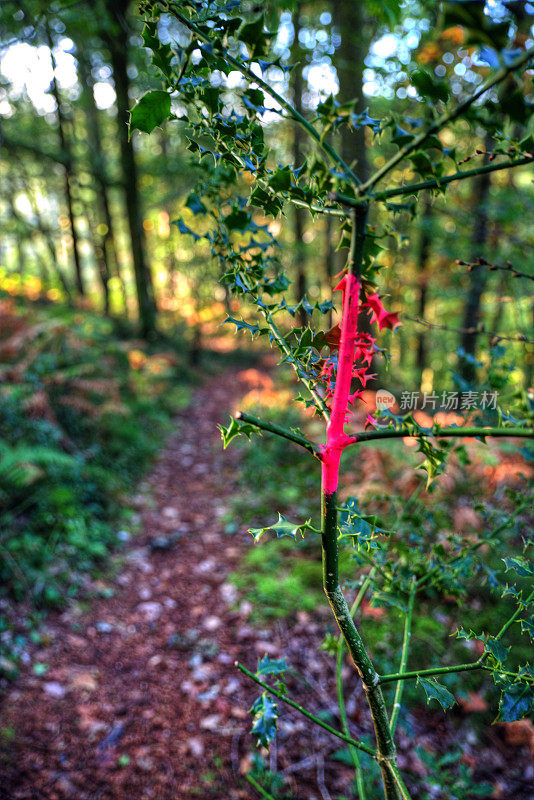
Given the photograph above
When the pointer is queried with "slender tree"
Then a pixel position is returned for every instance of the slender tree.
(299, 214)
(117, 37)
(67, 151)
(477, 278)
(423, 254)
(109, 261)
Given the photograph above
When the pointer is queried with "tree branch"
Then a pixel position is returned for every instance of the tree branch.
(270, 427)
(444, 119)
(245, 70)
(406, 676)
(481, 262)
(442, 433)
(280, 696)
(434, 183)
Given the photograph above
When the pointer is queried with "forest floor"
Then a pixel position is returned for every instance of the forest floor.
(141, 697)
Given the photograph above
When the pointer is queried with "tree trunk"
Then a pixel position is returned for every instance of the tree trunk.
(66, 149)
(100, 175)
(422, 265)
(350, 21)
(299, 214)
(118, 47)
(477, 277)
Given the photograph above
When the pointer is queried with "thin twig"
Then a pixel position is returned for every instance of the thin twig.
(481, 262)
(348, 739)
(270, 427)
(475, 329)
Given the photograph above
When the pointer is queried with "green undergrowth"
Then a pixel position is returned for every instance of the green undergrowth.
(83, 410)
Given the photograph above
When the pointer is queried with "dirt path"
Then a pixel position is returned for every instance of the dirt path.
(141, 698)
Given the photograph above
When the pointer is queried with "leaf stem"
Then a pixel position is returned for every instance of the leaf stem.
(259, 788)
(404, 657)
(280, 696)
(270, 427)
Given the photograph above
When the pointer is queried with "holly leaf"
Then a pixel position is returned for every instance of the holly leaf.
(496, 649)
(151, 110)
(241, 325)
(280, 181)
(521, 565)
(435, 691)
(236, 428)
(271, 666)
(282, 527)
(265, 713)
(237, 220)
(161, 53)
(435, 459)
(517, 699)
(255, 37)
(422, 163)
(428, 86)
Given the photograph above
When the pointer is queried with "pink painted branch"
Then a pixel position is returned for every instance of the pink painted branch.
(336, 438)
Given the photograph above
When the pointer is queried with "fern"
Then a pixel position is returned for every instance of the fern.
(22, 465)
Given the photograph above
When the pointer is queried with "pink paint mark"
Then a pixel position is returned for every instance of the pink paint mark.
(385, 319)
(336, 438)
(337, 377)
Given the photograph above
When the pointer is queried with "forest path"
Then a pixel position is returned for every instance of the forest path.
(141, 698)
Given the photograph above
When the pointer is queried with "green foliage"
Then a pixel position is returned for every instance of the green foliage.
(236, 428)
(78, 424)
(282, 527)
(435, 691)
(420, 555)
(151, 110)
(451, 777)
